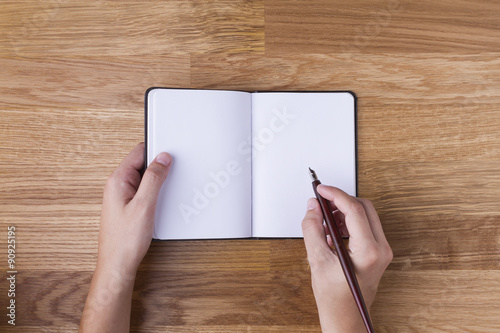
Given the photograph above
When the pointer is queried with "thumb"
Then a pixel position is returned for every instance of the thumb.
(313, 230)
(153, 179)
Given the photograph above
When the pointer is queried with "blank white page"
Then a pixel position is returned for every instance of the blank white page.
(294, 131)
(208, 191)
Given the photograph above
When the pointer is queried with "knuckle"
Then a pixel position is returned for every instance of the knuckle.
(366, 202)
(389, 255)
(357, 207)
(308, 222)
(376, 257)
(116, 181)
(112, 181)
(372, 259)
(154, 173)
(311, 220)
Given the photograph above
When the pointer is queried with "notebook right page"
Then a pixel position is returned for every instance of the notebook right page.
(291, 132)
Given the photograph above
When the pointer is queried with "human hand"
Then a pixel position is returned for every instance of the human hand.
(127, 222)
(369, 251)
(128, 211)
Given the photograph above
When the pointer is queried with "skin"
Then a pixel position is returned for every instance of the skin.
(126, 230)
(369, 250)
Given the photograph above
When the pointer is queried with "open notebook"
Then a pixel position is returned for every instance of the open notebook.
(240, 159)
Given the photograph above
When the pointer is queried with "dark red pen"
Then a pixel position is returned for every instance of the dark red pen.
(344, 258)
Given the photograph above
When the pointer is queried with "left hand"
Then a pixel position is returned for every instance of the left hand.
(129, 204)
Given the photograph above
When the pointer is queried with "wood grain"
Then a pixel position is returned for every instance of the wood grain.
(427, 77)
(88, 82)
(441, 301)
(386, 26)
(118, 28)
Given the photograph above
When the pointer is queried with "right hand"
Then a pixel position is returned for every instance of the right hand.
(370, 254)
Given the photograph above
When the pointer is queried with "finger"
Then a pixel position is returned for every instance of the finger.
(152, 180)
(314, 233)
(374, 220)
(329, 241)
(124, 181)
(328, 237)
(133, 163)
(341, 223)
(354, 212)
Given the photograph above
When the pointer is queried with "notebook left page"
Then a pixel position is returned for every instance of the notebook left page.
(207, 193)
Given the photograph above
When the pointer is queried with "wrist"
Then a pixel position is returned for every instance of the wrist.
(115, 272)
(121, 263)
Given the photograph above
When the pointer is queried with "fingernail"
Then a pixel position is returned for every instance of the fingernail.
(311, 203)
(164, 159)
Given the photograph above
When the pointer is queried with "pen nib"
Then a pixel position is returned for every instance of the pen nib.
(313, 174)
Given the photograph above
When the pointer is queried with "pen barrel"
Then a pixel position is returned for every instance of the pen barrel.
(343, 255)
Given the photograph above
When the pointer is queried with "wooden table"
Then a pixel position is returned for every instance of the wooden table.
(427, 74)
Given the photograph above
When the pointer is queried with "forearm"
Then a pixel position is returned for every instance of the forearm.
(108, 304)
